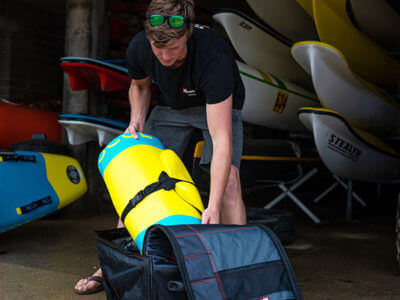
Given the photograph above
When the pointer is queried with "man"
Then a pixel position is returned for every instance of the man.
(198, 86)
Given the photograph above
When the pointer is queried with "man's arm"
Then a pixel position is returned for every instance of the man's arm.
(139, 99)
(219, 121)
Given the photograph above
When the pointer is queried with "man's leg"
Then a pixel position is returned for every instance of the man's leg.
(233, 210)
(84, 285)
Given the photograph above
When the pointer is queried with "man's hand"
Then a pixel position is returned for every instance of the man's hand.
(210, 216)
(139, 99)
(134, 128)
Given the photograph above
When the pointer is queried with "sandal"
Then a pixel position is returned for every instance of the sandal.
(91, 291)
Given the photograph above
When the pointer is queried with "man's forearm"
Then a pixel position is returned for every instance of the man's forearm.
(139, 99)
(219, 170)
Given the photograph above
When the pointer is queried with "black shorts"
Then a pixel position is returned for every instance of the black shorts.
(174, 128)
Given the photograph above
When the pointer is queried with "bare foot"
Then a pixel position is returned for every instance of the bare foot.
(91, 284)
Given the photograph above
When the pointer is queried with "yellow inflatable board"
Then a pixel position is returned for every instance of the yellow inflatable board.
(365, 57)
(130, 167)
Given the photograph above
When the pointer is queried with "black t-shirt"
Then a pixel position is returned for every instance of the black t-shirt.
(209, 73)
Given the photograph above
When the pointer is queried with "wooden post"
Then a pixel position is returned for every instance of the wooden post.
(86, 36)
(77, 43)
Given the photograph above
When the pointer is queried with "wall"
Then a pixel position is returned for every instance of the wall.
(31, 43)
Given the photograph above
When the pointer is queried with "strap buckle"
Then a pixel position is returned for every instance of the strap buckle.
(139, 197)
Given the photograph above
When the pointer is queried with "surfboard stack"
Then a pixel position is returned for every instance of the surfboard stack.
(356, 77)
(350, 50)
(110, 76)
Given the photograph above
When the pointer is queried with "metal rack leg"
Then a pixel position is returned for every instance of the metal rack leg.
(300, 204)
(291, 188)
(324, 193)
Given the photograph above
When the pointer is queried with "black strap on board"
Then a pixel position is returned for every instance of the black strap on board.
(164, 182)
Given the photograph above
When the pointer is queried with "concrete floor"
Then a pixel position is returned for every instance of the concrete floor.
(350, 260)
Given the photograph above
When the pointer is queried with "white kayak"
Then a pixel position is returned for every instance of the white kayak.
(82, 129)
(271, 102)
(349, 152)
(365, 57)
(378, 20)
(340, 89)
(287, 17)
(262, 48)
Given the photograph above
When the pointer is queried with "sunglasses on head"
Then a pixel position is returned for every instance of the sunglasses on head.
(173, 21)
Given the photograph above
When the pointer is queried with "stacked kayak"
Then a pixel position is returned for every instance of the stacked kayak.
(261, 47)
(367, 58)
(20, 122)
(287, 17)
(276, 86)
(271, 102)
(338, 87)
(350, 152)
(37, 178)
(379, 20)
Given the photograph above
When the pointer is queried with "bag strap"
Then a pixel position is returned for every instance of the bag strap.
(164, 182)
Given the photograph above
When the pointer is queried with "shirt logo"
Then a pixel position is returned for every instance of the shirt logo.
(201, 26)
(189, 92)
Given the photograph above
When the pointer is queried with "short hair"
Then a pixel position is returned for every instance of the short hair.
(164, 34)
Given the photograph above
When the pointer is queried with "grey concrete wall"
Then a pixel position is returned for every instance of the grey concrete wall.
(31, 43)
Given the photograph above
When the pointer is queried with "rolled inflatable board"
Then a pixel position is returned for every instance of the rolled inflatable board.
(340, 89)
(261, 48)
(34, 184)
(349, 152)
(82, 129)
(365, 57)
(271, 102)
(20, 122)
(379, 21)
(130, 165)
(86, 73)
(287, 17)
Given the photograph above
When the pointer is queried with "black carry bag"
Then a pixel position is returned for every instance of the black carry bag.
(197, 262)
